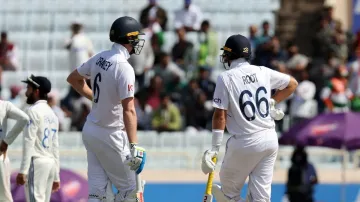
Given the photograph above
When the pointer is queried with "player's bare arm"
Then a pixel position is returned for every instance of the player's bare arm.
(281, 95)
(79, 84)
(130, 119)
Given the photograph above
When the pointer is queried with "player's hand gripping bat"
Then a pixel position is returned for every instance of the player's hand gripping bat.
(208, 196)
(139, 189)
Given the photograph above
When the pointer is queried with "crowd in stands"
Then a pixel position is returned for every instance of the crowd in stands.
(175, 88)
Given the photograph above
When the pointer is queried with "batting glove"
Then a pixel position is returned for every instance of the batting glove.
(137, 159)
(207, 165)
(276, 114)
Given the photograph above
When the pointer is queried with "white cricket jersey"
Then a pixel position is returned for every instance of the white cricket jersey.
(245, 91)
(41, 136)
(9, 111)
(112, 80)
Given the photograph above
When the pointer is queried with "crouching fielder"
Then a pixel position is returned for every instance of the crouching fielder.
(111, 123)
(244, 105)
(8, 111)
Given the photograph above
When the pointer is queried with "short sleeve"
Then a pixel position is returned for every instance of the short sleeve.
(221, 95)
(85, 69)
(278, 80)
(126, 80)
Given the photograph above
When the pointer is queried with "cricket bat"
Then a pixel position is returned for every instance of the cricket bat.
(208, 196)
(139, 189)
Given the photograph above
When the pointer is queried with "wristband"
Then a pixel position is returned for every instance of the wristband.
(217, 138)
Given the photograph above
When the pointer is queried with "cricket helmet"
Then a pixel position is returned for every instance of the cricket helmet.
(236, 46)
(126, 30)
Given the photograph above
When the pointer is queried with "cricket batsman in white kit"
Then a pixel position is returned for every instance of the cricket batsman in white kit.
(40, 167)
(109, 133)
(243, 103)
(8, 111)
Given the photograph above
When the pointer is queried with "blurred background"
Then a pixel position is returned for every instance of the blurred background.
(316, 41)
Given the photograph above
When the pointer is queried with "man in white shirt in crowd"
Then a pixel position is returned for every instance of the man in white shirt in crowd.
(8, 111)
(189, 17)
(244, 104)
(109, 134)
(80, 50)
(40, 166)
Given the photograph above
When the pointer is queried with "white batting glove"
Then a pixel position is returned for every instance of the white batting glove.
(276, 114)
(207, 165)
(137, 159)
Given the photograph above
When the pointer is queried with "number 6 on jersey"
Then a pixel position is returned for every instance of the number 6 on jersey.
(258, 102)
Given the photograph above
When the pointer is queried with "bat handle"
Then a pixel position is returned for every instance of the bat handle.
(210, 179)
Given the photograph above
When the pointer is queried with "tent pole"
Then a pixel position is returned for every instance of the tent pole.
(343, 175)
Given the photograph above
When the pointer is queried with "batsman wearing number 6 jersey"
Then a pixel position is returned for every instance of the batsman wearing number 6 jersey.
(109, 133)
(244, 104)
(40, 168)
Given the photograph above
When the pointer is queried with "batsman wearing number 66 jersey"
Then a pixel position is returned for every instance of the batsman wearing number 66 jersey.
(40, 167)
(244, 104)
(109, 134)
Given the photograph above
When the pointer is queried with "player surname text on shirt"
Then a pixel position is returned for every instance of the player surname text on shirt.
(249, 79)
(103, 64)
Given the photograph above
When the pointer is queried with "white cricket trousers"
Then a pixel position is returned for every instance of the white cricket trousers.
(249, 155)
(5, 186)
(40, 179)
(107, 149)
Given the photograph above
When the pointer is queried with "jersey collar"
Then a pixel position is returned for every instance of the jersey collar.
(123, 51)
(238, 62)
(40, 101)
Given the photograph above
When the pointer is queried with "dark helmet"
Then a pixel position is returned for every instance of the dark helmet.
(236, 46)
(126, 30)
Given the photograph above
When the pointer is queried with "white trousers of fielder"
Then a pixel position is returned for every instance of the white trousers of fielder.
(40, 179)
(250, 156)
(5, 174)
(107, 150)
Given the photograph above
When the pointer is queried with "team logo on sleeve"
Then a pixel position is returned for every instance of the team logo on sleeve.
(217, 100)
(130, 87)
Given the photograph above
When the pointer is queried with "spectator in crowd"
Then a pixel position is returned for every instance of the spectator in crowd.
(153, 12)
(357, 45)
(271, 55)
(199, 114)
(303, 105)
(182, 51)
(329, 14)
(337, 95)
(143, 113)
(167, 117)
(151, 94)
(208, 40)
(302, 177)
(153, 19)
(254, 39)
(167, 69)
(296, 63)
(265, 37)
(175, 88)
(205, 83)
(322, 40)
(189, 17)
(8, 56)
(142, 62)
(81, 108)
(80, 50)
(339, 46)
(52, 100)
(14, 96)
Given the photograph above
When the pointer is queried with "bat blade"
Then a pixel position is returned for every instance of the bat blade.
(139, 189)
